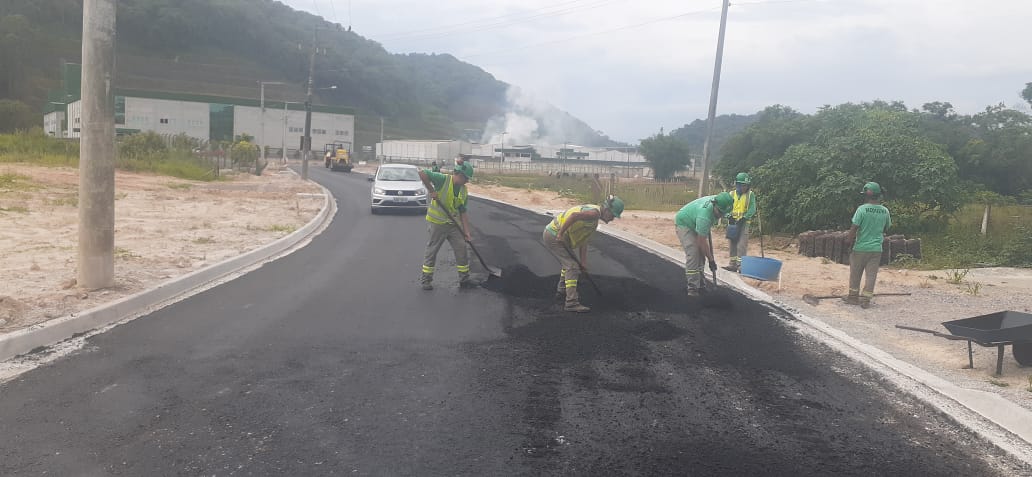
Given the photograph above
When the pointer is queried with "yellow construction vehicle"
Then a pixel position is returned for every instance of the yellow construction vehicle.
(338, 156)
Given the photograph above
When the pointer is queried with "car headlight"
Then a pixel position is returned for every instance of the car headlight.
(377, 190)
(421, 191)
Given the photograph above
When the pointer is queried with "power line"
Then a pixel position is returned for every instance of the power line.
(505, 23)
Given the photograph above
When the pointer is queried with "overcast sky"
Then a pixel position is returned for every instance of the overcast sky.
(629, 67)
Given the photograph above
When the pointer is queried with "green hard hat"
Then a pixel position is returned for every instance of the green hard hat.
(724, 202)
(871, 188)
(465, 169)
(616, 205)
(743, 178)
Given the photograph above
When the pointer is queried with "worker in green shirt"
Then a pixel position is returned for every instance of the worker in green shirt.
(434, 167)
(693, 222)
(870, 221)
(742, 212)
(447, 193)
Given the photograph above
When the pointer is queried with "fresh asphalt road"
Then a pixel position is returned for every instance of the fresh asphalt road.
(332, 361)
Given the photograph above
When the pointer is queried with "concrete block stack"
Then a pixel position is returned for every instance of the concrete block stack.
(835, 246)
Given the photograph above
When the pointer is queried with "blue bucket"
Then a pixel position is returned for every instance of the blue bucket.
(761, 268)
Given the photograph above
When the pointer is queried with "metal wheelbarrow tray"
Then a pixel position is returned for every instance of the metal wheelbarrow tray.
(995, 329)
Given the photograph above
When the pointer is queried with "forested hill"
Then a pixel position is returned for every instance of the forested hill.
(224, 47)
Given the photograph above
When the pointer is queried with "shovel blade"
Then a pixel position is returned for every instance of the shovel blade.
(810, 299)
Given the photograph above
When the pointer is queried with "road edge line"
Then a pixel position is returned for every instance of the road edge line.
(54, 331)
(990, 416)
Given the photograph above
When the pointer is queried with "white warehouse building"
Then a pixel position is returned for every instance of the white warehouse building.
(204, 117)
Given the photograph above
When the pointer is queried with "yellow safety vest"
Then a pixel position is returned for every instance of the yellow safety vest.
(579, 232)
(446, 196)
(741, 204)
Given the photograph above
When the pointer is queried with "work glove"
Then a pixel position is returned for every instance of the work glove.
(731, 221)
(713, 266)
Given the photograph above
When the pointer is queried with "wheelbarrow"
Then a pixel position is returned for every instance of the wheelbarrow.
(995, 329)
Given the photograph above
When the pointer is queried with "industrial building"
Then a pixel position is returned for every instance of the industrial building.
(204, 117)
(445, 150)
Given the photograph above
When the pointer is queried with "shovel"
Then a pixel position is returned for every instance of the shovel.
(586, 275)
(710, 238)
(814, 300)
(493, 272)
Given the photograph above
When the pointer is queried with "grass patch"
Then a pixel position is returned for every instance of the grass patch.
(961, 244)
(180, 186)
(998, 383)
(973, 288)
(125, 254)
(203, 240)
(956, 276)
(281, 228)
(12, 182)
(16, 209)
(66, 201)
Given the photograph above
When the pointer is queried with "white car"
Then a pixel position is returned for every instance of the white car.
(397, 186)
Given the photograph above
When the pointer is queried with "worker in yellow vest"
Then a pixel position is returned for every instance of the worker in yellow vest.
(571, 230)
(447, 193)
(742, 212)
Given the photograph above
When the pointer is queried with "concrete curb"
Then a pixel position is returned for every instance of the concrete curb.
(1010, 425)
(59, 329)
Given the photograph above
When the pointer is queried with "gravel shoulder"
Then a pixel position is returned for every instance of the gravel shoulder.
(164, 228)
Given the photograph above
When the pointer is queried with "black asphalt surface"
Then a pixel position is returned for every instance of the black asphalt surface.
(332, 361)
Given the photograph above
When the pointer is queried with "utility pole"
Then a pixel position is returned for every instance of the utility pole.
(97, 153)
(711, 119)
(381, 139)
(308, 114)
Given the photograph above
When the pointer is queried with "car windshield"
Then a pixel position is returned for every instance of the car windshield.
(397, 174)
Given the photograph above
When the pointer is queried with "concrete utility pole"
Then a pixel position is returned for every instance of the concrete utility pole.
(381, 139)
(307, 146)
(97, 147)
(713, 101)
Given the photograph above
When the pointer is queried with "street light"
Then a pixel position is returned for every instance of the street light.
(262, 142)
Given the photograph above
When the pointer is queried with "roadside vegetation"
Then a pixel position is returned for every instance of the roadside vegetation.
(143, 152)
(638, 195)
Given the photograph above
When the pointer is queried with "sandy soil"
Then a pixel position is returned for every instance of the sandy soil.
(933, 300)
(164, 227)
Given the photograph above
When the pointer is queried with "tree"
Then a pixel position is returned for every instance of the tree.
(1027, 93)
(776, 128)
(666, 154)
(16, 116)
(816, 184)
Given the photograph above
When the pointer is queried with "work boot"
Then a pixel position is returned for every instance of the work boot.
(851, 299)
(732, 267)
(693, 292)
(466, 283)
(865, 302)
(573, 303)
(427, 281)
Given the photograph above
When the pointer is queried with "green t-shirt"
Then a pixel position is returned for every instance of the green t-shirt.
(872, 220)
(697, 215)
(438, 179)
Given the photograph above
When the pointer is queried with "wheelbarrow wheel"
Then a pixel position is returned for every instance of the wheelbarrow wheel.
(1022, 353)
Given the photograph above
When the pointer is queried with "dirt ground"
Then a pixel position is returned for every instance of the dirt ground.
(933, 299)
(164, 227)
